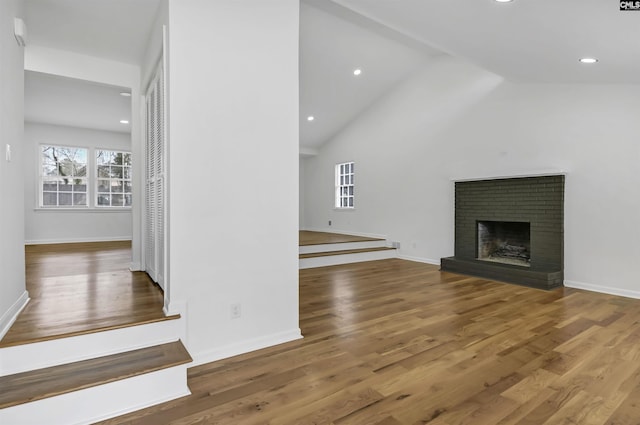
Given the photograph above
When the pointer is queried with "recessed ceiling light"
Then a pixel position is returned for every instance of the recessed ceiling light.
(588, 60)
(310, 118)
(124, 121)
(357, 71)
(125, 94)
(504, 1)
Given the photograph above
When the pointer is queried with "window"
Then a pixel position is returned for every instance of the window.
(63, 177)
(344, 185)
(113, 179)
(75, 177)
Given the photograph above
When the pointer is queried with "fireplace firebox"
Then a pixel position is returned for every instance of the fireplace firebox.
(506, 242)
(510, 230)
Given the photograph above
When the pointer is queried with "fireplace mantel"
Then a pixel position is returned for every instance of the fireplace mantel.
(539, 173)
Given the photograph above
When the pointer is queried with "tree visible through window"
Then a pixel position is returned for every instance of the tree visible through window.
(63, 177)
(113, 179)
(73, 177)
(344, 185)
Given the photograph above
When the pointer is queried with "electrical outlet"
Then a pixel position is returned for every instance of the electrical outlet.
(236, 311)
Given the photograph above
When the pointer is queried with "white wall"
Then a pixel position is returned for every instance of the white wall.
(49, 226)
(13, 295)
(456, 121)
(233, 93)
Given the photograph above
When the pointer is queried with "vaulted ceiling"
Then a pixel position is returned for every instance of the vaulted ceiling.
(522, 40)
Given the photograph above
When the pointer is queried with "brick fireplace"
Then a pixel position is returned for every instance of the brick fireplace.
(510, 230)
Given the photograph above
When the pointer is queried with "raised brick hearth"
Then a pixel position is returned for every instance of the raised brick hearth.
(532, 203)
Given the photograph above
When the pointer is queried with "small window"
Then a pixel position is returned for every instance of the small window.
(113, 179)
(344, 185)
(63, 177)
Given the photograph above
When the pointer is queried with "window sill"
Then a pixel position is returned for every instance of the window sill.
(344, 209)
(83, 210)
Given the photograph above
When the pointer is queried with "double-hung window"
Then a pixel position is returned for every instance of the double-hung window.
(78, 177)
(113, 179)
(344, 185)
(63, 177)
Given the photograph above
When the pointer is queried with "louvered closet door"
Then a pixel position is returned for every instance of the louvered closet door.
(154, 180)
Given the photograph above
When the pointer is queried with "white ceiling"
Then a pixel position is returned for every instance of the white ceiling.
(112, 29)
(331, 48)
(526, 40)
(51, 99)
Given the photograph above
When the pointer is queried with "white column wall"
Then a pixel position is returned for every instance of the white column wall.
(233, 98)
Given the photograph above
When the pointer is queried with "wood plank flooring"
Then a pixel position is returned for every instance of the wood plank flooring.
(80, 288)
(38, 384)
(396, 342)
(307, 237)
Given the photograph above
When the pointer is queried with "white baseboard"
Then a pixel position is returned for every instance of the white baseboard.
(244, 347)
(346, 232)
(419, 259)
(9, 317)
(602, 289)
(135, 267)
(77, 240)
(176, 307)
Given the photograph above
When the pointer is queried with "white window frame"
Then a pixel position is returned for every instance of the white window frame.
(124, 180)
(345, 186)
(91, 178)
(42, 177)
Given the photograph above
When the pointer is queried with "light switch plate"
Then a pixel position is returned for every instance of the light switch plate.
(7, 153)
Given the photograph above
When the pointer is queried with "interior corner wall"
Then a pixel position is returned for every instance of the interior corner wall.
(233, 154)
(57, 226)
(12, 283)
(455, 121)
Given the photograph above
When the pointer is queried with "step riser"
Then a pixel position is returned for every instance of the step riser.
(22, 358)
(334, 260)
(102, 402)
(312, 249)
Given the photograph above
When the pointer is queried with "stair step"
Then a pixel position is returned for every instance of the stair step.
(39, 384)
(342, 252)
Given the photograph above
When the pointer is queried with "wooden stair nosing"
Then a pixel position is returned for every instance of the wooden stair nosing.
(39, 384)
(12, 343)
(342, 252)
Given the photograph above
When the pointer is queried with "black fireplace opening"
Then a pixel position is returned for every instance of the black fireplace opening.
(507, 242)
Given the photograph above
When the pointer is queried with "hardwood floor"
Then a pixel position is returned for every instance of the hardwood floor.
(316, 238)
(80, 288)
(396, 342)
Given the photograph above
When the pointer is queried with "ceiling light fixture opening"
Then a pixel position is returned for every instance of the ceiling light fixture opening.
(125, 94)
(503, 1)
(588, 60)
(124, 121)
(357, 71)
(310, 118)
